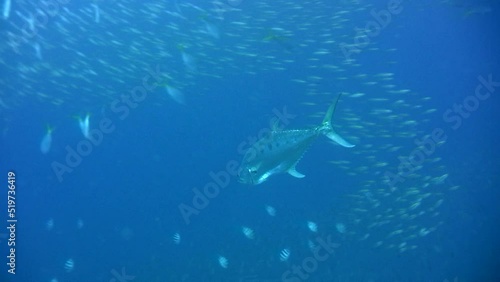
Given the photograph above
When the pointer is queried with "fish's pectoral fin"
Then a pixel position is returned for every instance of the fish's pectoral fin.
(293, 172)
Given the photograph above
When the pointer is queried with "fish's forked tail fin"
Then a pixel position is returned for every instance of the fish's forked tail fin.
(327, 129)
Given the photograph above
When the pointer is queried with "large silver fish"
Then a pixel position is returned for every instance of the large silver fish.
(282, 149)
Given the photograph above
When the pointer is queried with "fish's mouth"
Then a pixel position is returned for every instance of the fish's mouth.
(248, 179)
(244, 181)
(240, 179)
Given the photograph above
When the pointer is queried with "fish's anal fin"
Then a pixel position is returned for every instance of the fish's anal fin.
(293, 172)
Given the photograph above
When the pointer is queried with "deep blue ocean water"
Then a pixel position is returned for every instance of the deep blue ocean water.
(114, 214)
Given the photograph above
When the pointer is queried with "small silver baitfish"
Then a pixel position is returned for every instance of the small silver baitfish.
(282, 149)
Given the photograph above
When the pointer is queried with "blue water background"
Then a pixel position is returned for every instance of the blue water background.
(127, 191)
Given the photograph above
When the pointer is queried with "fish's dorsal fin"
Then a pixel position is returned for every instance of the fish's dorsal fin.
(293, 172)
(331, 110)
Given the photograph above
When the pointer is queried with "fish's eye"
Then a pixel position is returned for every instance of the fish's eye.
(252, 170)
